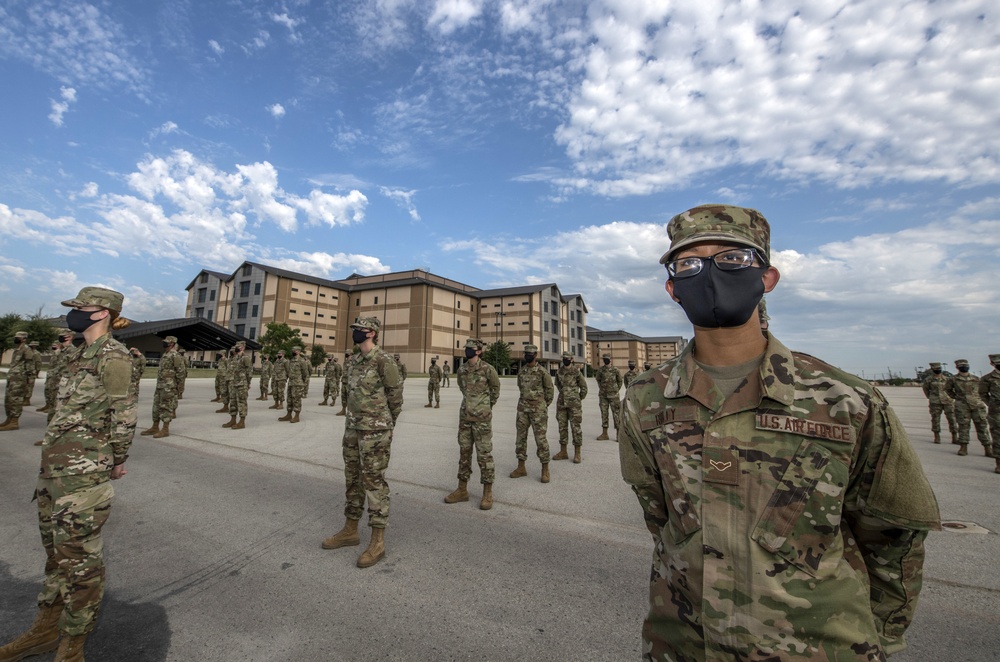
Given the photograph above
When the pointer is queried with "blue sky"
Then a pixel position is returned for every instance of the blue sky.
(506, 142)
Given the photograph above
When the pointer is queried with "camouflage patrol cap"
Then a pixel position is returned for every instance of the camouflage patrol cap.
(66, 332)
(631, 363)
(994, 358)
(719, 223)
(396, 356)
(182, 350)
(474, 343)
(240, 345)
(935, 364)
(605, 356)
(961, 362)
(762, 311)
(170, 340)
(567, 355)
(33, 343)
(21, 334)
(531, 349)
(370, 323)
(97, 296)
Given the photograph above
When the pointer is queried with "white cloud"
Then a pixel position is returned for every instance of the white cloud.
(59, 108)
(277, 110)
(164, 129)
(290, 23)
(257, 43)
(216, 47)
(451, 15)
(403, 198)
(326, 265)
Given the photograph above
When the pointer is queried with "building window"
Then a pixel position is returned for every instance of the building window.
(376, 302)
(319, 314)
(245, 288)
(247, 269)
(204, 278)
(357, 302)
(496, 305)
(458, 304)
(322, 295)
(240, 328)
(572, 332)
(241, 310)
(199, 312)
(253, 312)
(545, 306)
(292, 311)
(511, 304)
(256, 288)
(295, 289)
(308, 291)
(211, 295)
(545, 326)
(305, 335)
(209, 316)
(555, 346)
(307, 313)
(458, 324)
(253, 332)
(546, 345)
(202, 293)
(318, 335)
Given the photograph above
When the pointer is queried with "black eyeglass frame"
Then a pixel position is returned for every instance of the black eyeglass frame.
(688, 273)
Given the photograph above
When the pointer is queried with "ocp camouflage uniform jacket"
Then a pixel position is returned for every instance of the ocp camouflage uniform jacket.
(241, 369)
(480, 386)
(572, 386)
(435, 374)
(935, 389)
(788, 520)
(609, 381)
(138, 367)
(168, 374)
(402, 369)
(57, 364)
(19, 362)
(629, 376)
(298, 370)
(266, 370)
(374, 391)
(94, 422)
(989, 391)
(35, 364)
(964, 388)
(280, 370)
(535, 386)
(333, 373)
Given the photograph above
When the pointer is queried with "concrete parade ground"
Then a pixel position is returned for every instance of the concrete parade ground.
(213, 545)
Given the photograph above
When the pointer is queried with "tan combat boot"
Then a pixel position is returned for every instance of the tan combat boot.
(224, 409)
(11, 424)
(460, 494)
(346, 537)
(576, 455)
(323, 404)
(71, 648)
(520, 471)
(963, 449)
(41, 637)
(294, 418)
(428, 405)
(561, 455)
(487, 501)
(375, 551)
(545, 472)
(44, 409)
(231, 422)
(286, 417)
(164, 432)
(151, 430)
(937, 437)
(343, 410)
(604, 435)
(437, 406)
(242, 424)
(987, 451)
(997, 469)
(39, 442)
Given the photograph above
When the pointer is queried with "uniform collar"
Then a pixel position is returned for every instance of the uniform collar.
(89, 351)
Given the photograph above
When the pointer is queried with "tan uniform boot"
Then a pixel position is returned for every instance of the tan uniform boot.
(39, 442)
(487, 501)
(286, 417)
(323, 404)
(604, 435)
(44, 409)
(343, 411)
(222, 410)
(576, 455)
(151, 430)
(545, 472)
(164, 432)
(294, 418)
(231, 422)
(11, 424)
(242, 424)
(437, 406)
(346, 537)
(520, 471)
(375, 551)
(963, 449)
(987, 451)
(71, 648)
(428, 405)
(561, 455)
(997, 469)
(937, 437)
(41, 637)
(460, 494)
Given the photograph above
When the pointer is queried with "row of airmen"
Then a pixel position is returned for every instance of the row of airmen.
(965, 399)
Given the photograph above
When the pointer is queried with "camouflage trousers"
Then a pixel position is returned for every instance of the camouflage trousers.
(227, 387)
(30, 390)
(71, 512)
(366, 457)
(965, 416)
(612, 402)
(538, 420)
(343, 395)
(447, 380)
(567, 416)
(51, 391)
(220, 385)
(263, 387)
(180, 387)
(238, 394)
(433, 392)
(993, 418)
(295, 393)
(279, 390)
(480, 435)
(330, 391)
(936, 410)
(17, 393)
(164, 404)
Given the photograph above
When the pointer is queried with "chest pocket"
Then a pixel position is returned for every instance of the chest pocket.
(801, 522)
(674, 435)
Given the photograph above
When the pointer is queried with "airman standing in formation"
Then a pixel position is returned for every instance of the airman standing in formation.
(279, 379)
(241, 372)
(446, 374)
(400, 367)
(34, 369)
(434, 374)
(331, 381)
(138, 366)
(227, 382)
(220, 377)
(536, 393)
(183, 374)
(969, 408)
(480, 386)
(57, 364)
(632, 373)
(569, 407)
(165, 396)
(266, 368)
(989, 391)
(298, 385)
(646, 366)
(938, 401)
(374, 400)
(86, 446)
(609, 383)
(343, 386)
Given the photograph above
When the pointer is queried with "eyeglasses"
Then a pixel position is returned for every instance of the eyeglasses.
(732, 259)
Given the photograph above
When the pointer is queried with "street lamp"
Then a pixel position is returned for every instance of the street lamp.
(499, 333)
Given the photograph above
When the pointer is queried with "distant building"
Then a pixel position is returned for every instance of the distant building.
(624, 346)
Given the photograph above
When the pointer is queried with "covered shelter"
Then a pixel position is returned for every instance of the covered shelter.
(195, 334)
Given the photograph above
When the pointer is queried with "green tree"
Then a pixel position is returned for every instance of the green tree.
(497, 354)
(9, 325)
(279, 336)
(40, 330)
(318, 356)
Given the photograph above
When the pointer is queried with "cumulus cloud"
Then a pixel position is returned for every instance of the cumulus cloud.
(451, 15)
(403, 198)
(277, 110)
(290, 23)
(67, 96)
(327, 265)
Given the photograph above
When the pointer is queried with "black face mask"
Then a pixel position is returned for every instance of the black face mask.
(528, 358)
(716, 298)
(607, 361)
(963, 368)
(647, 366)
(359, 336)
(567, 361)
(936, 371)
(470, 353)
(631, 366)
(18, 341)
(79, 320)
